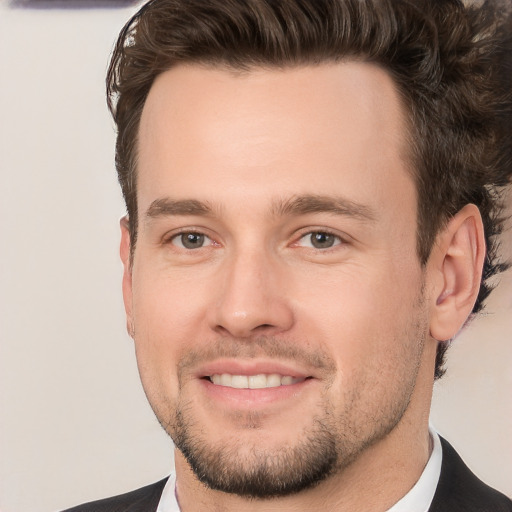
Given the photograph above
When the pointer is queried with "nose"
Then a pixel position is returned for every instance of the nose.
(252, 298)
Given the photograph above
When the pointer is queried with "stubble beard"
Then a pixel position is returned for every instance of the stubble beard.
(258, 473)
(327, 444)
(325, 448)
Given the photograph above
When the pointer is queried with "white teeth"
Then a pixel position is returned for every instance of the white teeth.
(286, 381)
(239, 381)
(273, 380)
(259, 381)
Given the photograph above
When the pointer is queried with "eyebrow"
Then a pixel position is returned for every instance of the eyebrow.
(165, 206)
(297, 205)
(302, 205)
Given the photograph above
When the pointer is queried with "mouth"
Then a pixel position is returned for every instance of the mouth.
(259, 381)
(253, 385)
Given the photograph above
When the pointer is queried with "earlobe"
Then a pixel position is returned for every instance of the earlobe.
(125, 253)
(457, 260)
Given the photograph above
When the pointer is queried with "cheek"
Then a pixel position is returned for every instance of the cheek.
(376, 341)
(166, 317)
(363, 317)
(166, 303)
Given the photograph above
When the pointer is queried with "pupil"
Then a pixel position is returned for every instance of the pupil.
(322, 240)
(192, 240)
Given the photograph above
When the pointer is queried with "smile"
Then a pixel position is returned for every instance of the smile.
(259, 381)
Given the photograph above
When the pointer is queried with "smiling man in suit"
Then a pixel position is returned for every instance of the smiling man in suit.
(313, 195)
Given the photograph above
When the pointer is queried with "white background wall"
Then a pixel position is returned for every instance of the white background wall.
(74, 423)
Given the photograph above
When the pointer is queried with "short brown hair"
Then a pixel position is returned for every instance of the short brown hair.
(447, 60)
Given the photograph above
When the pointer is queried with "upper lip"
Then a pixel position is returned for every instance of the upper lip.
(250, 367)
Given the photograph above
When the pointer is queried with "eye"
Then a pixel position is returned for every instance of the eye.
(319, 240)
(191, 240)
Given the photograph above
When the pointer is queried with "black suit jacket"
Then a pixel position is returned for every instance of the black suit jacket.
(458, 490)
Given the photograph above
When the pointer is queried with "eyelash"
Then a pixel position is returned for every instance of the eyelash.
(338, 240)
(175, 236)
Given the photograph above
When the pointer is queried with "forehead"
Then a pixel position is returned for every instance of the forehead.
(305, 129)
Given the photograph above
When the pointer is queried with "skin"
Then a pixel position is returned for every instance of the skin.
(227, 155)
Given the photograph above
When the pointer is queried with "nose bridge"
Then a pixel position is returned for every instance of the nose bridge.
(250, 299)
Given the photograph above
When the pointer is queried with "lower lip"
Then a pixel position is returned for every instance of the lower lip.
(253, 397)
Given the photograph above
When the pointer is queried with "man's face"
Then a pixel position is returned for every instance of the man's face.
(276, 297)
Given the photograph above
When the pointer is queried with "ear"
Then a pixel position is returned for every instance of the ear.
(456, 261)
(125, 252)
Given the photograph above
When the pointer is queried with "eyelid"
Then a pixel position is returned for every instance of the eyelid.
(178, 242)
(169, 237)
(342, 239)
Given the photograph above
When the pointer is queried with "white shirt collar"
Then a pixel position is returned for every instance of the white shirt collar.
(418, 499)
(168, 501)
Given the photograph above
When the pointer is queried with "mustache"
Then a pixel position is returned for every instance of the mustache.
(262, 346)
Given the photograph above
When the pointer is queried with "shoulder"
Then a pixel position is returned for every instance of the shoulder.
(460, 490)
(144, 499)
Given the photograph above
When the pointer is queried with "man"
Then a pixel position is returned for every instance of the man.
(313, 194)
